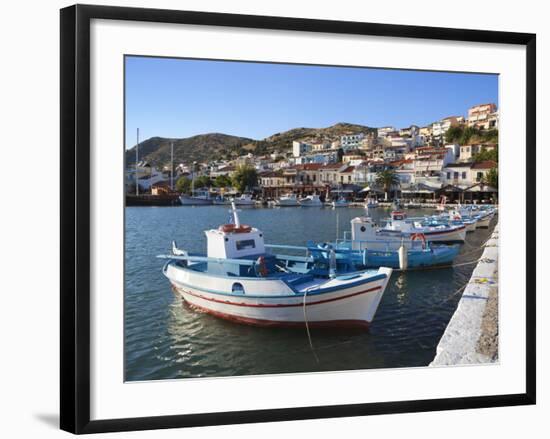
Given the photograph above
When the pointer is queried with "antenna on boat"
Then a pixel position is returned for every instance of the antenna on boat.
(235, 214)
(137, 159)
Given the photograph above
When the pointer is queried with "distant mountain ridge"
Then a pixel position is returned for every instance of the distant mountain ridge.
(218, 146)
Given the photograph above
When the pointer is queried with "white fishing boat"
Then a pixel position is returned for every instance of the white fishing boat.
(311, 201)
(443, 232)
(340, 202)
(289, 200)
(371, 203)
(221, 200)
(197, 198)
(244, 200)
(240, 280)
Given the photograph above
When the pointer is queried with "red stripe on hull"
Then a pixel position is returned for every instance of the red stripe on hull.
(343, 324)
(281, 305)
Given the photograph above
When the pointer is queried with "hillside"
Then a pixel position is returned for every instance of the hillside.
(156, 150)
(215, 146)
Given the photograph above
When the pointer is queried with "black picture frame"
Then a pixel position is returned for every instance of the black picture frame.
(75, 217)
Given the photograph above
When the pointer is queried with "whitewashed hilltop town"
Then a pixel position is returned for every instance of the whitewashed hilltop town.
(455, 158)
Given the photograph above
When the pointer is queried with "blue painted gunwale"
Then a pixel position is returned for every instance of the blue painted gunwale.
(297, 293)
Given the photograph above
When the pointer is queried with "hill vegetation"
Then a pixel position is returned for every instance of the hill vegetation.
(217, 146)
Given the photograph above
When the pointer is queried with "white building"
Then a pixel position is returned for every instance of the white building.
(351, 141)
(300, 148)
(384, 131)
(478, 115)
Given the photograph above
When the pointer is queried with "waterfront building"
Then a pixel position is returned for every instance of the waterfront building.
(404, 169)
(466, 173)
(328, 174)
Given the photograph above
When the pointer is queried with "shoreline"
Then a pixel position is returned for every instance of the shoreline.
(471, 336)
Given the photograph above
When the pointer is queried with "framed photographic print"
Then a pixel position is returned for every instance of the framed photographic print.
(285, 218)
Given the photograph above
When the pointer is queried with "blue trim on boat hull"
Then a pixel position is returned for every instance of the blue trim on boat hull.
(327, 290)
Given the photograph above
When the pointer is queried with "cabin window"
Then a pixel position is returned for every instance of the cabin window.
(237, 288)
(245, 244)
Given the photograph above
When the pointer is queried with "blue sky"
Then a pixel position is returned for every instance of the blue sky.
(180, 98)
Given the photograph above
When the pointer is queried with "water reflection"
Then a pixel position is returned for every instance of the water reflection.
(165, 338)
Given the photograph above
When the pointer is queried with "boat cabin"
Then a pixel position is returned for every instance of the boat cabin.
(362, 230)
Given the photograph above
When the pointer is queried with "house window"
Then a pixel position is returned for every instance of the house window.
(479, 176)
(455, 175)
(463, 175)
(448, 175)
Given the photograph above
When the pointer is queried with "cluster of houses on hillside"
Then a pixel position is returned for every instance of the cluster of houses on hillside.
(426, 165)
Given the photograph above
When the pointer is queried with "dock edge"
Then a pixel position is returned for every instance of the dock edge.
(458, 344)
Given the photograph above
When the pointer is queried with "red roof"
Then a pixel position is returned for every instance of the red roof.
(486, 164)
(308, 167)
(332, 166)
(348, 169)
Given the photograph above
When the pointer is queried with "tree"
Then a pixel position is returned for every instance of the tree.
(245, 177)
(183, 185)
(491, 177)
(222, 181)
(486, 155)
(467, 135)
(453, 134)
(203, 181)
(386, 179)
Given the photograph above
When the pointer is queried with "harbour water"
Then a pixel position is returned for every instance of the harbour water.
(165, 339)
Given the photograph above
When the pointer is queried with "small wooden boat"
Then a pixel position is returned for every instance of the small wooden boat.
(289, 200)
(311, 201)
(240, 280)
(197, 198)
(340, 202)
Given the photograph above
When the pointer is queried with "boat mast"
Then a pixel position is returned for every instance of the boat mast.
(193, 179)
(137, 157)
(171, 165)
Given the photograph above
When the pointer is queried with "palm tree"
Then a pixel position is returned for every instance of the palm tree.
(386, 179)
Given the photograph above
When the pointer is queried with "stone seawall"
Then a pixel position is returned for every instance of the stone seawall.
(472, 333)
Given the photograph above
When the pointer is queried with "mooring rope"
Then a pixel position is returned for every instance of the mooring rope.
(307, 328)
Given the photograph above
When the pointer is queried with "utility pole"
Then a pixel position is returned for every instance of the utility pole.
(172, 165)
(137, 157)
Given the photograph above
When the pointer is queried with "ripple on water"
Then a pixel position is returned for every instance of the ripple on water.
(165, 338)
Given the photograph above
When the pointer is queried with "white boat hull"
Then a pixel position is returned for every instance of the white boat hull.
(287, 203)
(351, 305)
(194, 201)
(484, 222)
